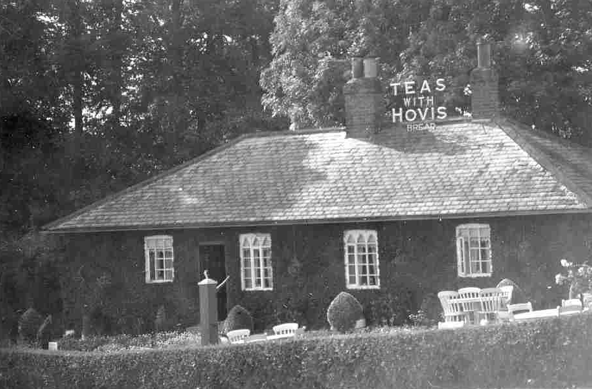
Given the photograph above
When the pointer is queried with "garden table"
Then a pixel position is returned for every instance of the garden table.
(543, 314)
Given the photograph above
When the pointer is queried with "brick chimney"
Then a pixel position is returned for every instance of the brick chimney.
(484, 84)
(364, 103)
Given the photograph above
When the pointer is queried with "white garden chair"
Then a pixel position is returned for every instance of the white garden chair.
(571, 302)
(491, 301)
(450, 325)
(285, 329)
(568, 310)
(471, 303)
(512, 308)
(503, 313)
(452, 309)
(569, 307)
(256, 338)
(238, 336)
(506, 294)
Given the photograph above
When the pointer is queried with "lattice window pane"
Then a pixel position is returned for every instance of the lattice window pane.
(256, 261)
(361, 256)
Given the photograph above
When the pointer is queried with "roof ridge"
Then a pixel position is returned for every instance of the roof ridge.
(540, 157)
(306, 131)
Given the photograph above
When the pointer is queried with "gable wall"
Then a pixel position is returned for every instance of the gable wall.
(416, 258)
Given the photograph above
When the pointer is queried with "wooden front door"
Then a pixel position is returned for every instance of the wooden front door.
(211, 258)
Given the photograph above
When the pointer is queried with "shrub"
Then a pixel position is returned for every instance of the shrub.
(29, 324)
(129, 342)
(389, 309)
(518, 295)
(429, 312)
(553, 353)
(343, 312)
(238, 318)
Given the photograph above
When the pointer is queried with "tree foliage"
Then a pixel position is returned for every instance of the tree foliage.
(312, 42)
(96, 95)
(542, 52)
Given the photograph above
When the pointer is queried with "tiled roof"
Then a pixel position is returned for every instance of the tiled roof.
(458, 169)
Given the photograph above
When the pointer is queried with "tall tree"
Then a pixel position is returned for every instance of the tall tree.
(542, 54)
(312, 42)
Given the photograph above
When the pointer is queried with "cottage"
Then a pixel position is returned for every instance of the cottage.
(386, 213)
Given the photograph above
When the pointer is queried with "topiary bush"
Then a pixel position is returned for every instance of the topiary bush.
(238, 318)
(343, 312)
(29, 324)
(518, 296)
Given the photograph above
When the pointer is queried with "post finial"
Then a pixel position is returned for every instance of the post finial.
(206, 274)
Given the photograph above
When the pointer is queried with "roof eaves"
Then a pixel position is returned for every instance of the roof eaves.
(542, 159)
(148, 181)
(238, 224)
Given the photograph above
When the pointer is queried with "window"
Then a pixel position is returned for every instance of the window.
(473, 246)
(158, 251)
(256, 271)
(361, 259)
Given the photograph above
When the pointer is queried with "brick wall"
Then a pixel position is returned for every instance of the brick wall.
(484, 84)
(484, 98)
(417, 258)
(364, 105)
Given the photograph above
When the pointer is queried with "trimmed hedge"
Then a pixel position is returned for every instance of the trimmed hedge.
(549, 353)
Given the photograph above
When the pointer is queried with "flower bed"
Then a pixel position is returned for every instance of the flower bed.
(547, 353)
(160, 340)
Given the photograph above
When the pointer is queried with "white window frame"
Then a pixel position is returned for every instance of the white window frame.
(365, 235)
(258, 252)
(158, 243)
(463, 233)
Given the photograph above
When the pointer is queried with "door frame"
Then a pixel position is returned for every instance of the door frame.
(209, 243)
(199, 264)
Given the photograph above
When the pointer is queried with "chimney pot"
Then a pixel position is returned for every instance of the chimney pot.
(370, 67)
(483, 54)
(364, 104)
(357, 68)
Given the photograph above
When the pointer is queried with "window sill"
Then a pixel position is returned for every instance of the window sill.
(160, 282)
(257, 290)
(475, 275)
(363, 287)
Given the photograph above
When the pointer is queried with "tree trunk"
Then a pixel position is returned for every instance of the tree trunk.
(116, 56)
(76, 31)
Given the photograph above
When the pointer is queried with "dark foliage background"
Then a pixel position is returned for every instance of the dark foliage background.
(98, 95)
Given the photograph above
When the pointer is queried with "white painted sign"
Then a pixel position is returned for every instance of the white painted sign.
(419, 110)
